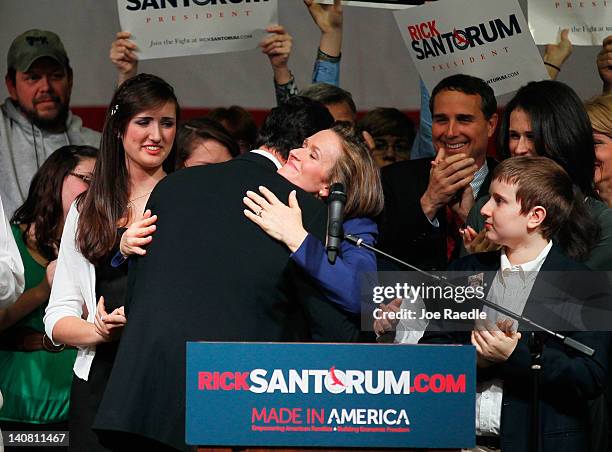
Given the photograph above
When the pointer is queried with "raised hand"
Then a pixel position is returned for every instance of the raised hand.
(123, 55)
(557, 54)
(327, 17)
(277, 46)
(329, 20)
(604, 64)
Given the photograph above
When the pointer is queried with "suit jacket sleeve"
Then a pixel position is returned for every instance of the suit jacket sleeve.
(405, 230)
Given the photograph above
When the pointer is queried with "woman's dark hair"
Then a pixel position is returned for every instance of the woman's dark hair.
(387, 121)
(43, 208)
(105, 203)
(356, 170)
(561, 129)
(542, 182)
(205, 129)
(239, 124)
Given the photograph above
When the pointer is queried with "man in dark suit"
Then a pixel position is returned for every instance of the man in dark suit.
(427, 200)
(210, 274)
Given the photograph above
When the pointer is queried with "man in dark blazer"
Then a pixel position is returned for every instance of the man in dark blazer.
(422, 195)
(568, 379)
(210, 274)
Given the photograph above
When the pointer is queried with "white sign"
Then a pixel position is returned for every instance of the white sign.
(170, 28)
(484, 38)
(383, 4)
(589, 22)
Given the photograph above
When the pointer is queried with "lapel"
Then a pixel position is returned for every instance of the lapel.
(485, 264)
(547, 278)
(551, 302)
(554, 263)
(547, 303)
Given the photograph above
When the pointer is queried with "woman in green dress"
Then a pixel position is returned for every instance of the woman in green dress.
(36, 376)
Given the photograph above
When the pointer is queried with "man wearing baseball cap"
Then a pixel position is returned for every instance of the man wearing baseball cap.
(35, 120)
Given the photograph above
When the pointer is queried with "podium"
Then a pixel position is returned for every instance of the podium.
(330, 395)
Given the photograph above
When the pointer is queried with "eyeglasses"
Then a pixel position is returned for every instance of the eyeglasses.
(84, 177)
(399, 145)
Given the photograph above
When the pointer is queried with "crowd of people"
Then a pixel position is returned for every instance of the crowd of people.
(116, 248)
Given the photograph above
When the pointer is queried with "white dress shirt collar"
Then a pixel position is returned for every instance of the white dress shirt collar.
(526, 269)
(269, 156)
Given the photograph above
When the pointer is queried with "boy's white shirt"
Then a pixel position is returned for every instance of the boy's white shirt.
(510, 288)
(489, 394)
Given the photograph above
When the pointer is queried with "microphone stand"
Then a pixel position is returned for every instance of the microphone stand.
(536, 348)
(536, 344)
(568, 341)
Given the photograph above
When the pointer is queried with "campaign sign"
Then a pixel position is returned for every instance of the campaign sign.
(330, 395)
(383, 4)
(484, 38)
(589, 22)
(170, 28)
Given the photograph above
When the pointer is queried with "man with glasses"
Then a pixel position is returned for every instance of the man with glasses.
(389, 134)
(35, 120)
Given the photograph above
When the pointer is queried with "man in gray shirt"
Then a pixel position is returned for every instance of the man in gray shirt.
(35, 120)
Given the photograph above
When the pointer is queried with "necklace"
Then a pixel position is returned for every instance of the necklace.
(130, 203)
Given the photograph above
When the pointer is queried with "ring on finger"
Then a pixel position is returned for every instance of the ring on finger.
(259, 213)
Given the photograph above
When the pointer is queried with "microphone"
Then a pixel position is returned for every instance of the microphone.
(335, 217)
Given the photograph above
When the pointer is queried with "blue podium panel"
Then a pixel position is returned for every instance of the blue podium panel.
(330, 395)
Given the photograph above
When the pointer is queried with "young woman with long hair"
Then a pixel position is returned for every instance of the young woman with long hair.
(138, 138)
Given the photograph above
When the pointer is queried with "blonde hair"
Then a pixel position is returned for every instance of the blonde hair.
(360, 176)
(599, 110)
